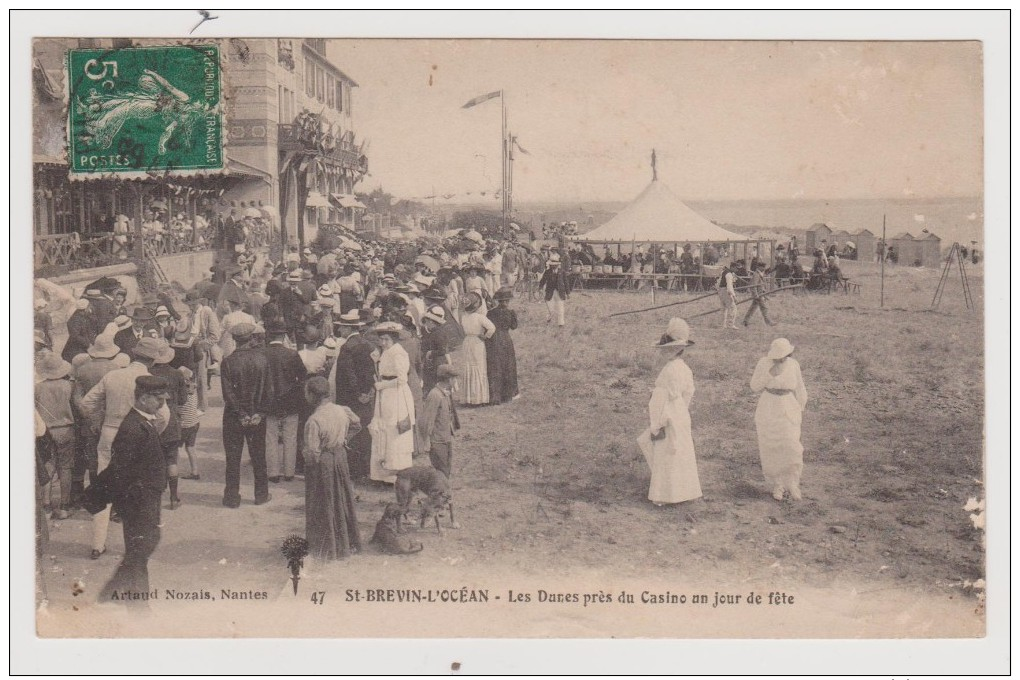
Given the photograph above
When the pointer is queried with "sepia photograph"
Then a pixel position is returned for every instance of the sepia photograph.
(508, 336)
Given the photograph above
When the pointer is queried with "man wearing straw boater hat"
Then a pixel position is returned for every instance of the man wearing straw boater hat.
(554, 284)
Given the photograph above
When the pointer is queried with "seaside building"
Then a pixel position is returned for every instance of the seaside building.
(291, 157)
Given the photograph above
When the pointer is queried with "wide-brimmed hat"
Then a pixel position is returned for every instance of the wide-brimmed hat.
(294, 276)
(434, 293)
(780, 348)
(389, 328)
(121, 321)
(186, 372)
(554, 259)
(103, 347)
(472, 302)
(330, 346)
(93, 293)
(52, 367)
(142, 314)
(166, 352)
(447, 371)
(350, 318)
(147, 347)
(162, 311)
(435, 313)
(678, 334)
(504, 293)
(325, 291)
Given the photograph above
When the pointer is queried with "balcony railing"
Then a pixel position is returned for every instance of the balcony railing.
(72, 251)
(296, 138)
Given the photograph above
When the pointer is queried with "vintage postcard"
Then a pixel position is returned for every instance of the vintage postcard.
(449, 339)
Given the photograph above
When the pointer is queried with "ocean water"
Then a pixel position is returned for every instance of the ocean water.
(951, 219)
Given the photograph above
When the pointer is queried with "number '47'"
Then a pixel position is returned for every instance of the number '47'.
(319, 597)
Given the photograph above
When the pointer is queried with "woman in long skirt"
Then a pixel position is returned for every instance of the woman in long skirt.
(392, 425)
(477, 329)
(783, 397)
(412, 345)
(500, 355)
(331, 525)
(667, 444)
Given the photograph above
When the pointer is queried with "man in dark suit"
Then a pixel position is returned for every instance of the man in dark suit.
(233, 289)
(287, 374)
(143, 323)
(355, 387)
(247, 399)
(134, 482)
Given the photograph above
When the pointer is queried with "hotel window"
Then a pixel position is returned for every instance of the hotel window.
(340, 95)
(309, 78)
(331, 92)
(320, 84)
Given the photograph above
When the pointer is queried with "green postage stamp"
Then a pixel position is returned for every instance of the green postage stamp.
(142, 110)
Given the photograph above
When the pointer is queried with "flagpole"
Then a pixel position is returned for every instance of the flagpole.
(506, 163)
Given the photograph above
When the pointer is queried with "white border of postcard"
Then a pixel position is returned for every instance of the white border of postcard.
(887, 657)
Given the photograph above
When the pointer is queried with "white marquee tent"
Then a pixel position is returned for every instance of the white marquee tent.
(657, 215)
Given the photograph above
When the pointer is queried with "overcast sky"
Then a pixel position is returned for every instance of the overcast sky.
(728, 120)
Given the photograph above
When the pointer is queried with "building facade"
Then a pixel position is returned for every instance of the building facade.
(293, 159)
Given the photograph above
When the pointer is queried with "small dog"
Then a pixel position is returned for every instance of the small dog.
(430, 482)
(387, 537)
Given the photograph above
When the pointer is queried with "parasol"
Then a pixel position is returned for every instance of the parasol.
(428, 261)
(851, 244)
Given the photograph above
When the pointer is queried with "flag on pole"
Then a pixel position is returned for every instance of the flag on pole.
(483, 98)
(520, 148)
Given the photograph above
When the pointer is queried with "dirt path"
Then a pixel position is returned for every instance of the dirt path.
(551, 491)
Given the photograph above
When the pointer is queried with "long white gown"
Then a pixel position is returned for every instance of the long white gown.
(392, 450)
(672, 460)
(778, 419)
(474, 381)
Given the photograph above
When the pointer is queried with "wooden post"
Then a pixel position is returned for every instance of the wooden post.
(885, 247)
(139, 214)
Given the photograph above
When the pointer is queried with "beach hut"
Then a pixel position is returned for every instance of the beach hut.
(906, 248)
(930, 249)
(817, 235)
(866, 243)
(840, 238)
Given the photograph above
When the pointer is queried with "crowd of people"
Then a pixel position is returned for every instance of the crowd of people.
(344, 366)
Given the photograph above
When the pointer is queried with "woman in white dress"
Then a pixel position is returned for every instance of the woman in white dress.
(783, 397)
(474, 283)
(392, 426)
(667, 444)
(474, 381)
